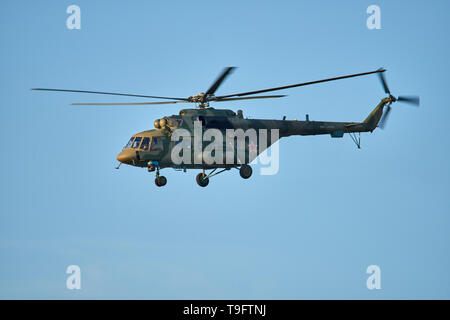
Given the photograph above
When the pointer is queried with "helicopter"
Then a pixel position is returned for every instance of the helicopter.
(154, 149)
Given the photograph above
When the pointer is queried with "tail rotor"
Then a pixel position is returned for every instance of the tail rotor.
(411, 100)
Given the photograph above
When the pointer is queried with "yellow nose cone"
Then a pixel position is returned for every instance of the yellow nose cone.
(126, 156)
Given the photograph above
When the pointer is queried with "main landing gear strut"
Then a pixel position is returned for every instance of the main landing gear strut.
(203, 179)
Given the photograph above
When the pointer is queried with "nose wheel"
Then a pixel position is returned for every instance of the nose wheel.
(160, 181)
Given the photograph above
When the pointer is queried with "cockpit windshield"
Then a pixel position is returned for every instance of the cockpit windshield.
(129, 143)
(142, 143)
(137, 142)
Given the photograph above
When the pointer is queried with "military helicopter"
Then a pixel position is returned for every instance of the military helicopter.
(152, 149)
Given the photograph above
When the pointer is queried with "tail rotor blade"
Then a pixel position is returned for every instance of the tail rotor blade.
(413, 100)
(384, 118)
(384, 83)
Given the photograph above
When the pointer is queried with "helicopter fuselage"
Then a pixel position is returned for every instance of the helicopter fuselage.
(154, 147)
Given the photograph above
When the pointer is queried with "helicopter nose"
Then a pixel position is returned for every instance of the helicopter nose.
(126, 156)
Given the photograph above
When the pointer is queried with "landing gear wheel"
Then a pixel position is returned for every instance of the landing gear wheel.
(245, 171)
(160, 181)
(201, 181)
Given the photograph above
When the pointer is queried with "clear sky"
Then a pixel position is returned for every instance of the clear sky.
(309, 231)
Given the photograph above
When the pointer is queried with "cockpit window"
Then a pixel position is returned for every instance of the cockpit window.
(137, 142)
(145, 143)
(129, 142)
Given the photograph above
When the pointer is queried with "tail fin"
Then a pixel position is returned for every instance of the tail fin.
(374, 117)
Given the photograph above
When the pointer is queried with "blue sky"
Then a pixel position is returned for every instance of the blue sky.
(309, 231)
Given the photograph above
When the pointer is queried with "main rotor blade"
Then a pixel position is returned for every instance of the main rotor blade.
(126, 103)
(384, 118)
(219, 80)
(248, 98)
(384, 83)
(414, 100)
(109, 93)
(300, 84)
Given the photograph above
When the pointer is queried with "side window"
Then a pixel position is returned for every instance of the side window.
(137, 142)
(157, 144)
(129, 143)
(145, 144)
